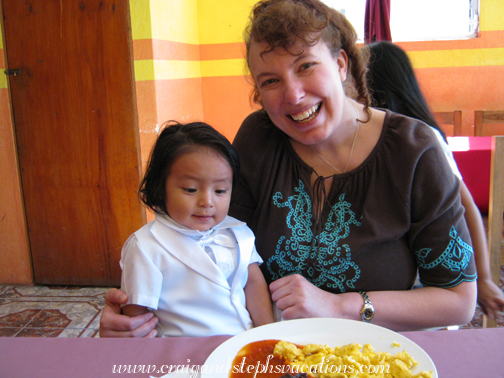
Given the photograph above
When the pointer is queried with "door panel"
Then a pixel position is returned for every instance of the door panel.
(75, 119)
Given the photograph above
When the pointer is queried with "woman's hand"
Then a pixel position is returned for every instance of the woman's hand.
(490, 298)
(113, 324)
(298, 298)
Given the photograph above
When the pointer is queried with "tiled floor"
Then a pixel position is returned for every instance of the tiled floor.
(42, 311)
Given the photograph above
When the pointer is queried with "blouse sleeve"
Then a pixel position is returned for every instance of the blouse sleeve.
(439, 236)
(141, 280)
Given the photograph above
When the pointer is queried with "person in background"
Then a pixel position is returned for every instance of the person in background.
(393, 85)
(347, 202)
(194, 266)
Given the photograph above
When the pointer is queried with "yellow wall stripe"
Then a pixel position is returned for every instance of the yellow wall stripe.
(3, 81)
(3, 76)
(144, 70)
(223, 21)
(228, 67)
(183, 69)
(166, 69)
(491, 15)
(176, 20)
(457, 58)
(141, 26)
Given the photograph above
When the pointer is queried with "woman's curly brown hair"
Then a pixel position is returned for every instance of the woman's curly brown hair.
(281, 23)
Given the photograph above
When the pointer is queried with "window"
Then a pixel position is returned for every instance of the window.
(419, 20)
(354, 10)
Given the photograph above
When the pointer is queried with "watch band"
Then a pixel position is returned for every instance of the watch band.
(367, 312)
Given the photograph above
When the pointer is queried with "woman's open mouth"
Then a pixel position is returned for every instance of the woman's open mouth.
(307, 115)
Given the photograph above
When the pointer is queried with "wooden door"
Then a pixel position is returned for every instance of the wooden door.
(77, 134)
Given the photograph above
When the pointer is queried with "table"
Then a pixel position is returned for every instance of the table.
(473, 157)
(463, 353)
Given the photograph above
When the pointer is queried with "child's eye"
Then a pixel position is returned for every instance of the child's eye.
(189, 190)
(221, 191)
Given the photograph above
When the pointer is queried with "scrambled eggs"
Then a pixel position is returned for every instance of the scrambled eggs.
(352, 360)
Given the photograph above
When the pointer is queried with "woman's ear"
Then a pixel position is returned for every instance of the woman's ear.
(342, 61)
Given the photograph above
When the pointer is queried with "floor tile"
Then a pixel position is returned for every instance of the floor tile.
(20, 313)
(72, 291)
(40, 332)
(45, 311)
(25, 291)
(80, 314)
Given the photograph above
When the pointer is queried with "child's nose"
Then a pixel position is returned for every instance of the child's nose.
(205, 199)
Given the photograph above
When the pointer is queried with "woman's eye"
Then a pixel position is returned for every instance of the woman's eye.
(268, 82)
(305, 66)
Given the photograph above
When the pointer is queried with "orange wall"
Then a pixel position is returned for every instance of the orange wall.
(161, 100)
(461, 85)
(15, 266)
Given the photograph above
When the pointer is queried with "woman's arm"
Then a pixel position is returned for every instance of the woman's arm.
(257, 297)
(406, 310)
(114, 324)
(427, 307)
(490, 296)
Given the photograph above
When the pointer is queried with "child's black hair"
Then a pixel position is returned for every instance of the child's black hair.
(175, 140)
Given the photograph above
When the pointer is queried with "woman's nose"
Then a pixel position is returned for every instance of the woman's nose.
(294, 91)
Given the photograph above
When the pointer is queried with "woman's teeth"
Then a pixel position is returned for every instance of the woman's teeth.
(306, 115)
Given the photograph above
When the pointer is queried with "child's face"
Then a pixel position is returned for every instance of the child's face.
(198, 189)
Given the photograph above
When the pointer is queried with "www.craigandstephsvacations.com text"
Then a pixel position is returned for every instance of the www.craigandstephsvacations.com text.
(251, 369)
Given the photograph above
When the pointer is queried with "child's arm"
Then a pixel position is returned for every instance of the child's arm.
(134, 310)
(258, 297)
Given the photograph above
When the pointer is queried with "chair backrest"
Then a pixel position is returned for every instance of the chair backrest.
(496, 212)
(450, 118)
(482, 117)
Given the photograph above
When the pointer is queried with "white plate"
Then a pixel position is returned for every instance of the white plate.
(333, 332)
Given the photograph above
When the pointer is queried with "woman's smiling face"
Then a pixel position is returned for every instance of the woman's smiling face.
(303, 93)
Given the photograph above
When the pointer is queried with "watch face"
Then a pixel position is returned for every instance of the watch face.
(368, 313)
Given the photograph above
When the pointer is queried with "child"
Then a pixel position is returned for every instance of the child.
(194, 265)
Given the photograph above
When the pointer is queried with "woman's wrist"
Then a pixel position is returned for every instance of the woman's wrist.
(350, 305)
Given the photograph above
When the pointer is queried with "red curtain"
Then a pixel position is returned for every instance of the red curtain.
(377, 21)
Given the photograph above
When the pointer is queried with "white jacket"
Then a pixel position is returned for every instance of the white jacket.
(170, 272)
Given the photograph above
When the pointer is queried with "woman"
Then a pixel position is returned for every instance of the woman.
(393, 86)
(344, 199)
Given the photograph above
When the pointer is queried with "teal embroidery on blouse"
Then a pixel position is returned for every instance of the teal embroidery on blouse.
(332, 265)
(455, 257)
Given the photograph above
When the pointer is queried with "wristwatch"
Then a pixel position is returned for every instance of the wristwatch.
(367, 312)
